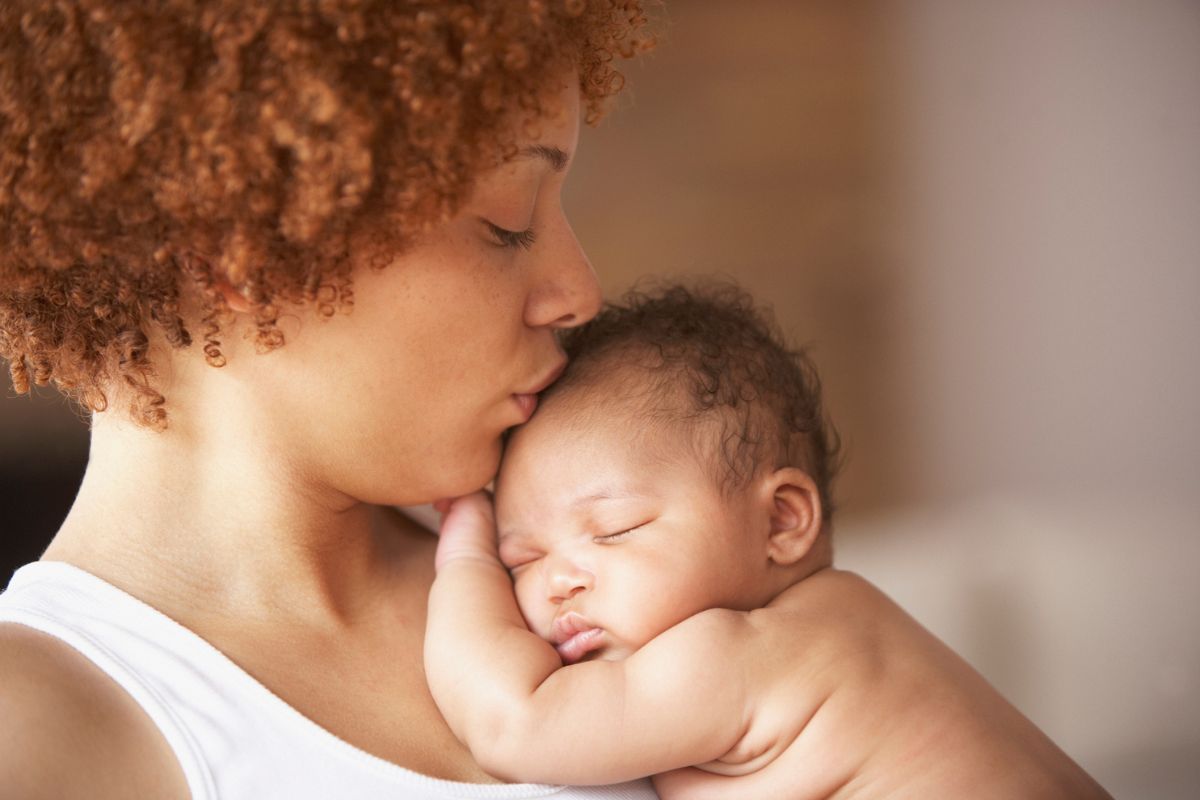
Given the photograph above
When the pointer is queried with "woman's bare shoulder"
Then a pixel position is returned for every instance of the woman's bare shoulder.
(70, 731)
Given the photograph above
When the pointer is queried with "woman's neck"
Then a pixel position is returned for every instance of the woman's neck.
(221, 521)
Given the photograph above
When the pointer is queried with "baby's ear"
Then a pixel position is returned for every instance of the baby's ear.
(795, 514)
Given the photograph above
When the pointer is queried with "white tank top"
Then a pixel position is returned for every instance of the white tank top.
(234, 739)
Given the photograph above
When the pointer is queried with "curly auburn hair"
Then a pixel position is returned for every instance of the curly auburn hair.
(151, 147)
(709, 359)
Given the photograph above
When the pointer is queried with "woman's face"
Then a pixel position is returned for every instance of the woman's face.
(405, 399)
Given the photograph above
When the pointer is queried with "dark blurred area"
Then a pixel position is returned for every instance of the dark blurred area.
(43, 452)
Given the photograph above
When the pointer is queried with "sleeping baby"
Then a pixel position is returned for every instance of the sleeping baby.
(655, 592)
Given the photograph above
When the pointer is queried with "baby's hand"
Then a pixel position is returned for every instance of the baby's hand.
(468, 530)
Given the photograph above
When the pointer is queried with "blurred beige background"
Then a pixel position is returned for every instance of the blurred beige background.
(985, 219)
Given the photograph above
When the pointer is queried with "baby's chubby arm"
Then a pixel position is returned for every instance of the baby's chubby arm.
(681, 699)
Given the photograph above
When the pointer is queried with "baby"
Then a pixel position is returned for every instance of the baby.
(664, 519)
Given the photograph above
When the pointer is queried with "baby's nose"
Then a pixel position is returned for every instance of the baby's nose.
(568, 579)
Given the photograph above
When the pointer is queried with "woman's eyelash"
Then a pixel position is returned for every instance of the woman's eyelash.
(523, 239)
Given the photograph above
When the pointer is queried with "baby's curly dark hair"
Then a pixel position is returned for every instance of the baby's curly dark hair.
(708, 358)
(151, 147)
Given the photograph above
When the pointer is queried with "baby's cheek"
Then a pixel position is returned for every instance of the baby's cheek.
(647, 621)
(531, 611)
(681, 602)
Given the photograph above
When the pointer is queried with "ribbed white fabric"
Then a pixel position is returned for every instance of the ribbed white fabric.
(234, 739)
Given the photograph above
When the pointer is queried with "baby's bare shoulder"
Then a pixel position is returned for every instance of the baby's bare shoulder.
(832, 585)
(833, 616)
(828, 600)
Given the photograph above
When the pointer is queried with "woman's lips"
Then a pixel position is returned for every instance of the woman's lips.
(527, 400)
(579, 645)
(527, 403)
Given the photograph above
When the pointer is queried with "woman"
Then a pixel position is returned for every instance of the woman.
(368, 195)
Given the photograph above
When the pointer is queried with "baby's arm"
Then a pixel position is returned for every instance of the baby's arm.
(681, 699)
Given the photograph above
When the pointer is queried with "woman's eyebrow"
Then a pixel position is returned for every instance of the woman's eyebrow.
(555, 156)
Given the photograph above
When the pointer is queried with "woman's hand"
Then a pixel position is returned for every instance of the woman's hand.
(468, 529)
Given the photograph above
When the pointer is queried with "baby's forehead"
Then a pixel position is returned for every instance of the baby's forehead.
(570, 464)
(574, 445)
(585, 421)
(590, 428)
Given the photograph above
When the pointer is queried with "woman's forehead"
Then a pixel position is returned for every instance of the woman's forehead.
(551, 137)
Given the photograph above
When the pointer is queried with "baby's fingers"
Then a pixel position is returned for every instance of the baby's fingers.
(468, 530)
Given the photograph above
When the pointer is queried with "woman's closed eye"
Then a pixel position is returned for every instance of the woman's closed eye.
(511, 239)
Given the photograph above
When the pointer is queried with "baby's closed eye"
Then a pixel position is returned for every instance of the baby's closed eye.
(613, 538)
(514, 556)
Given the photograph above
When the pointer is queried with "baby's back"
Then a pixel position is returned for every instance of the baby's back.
(851, 697)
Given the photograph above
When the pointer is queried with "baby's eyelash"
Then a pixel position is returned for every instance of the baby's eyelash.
(615, 537)
(512, 567)
(518, 557)
(506, 238)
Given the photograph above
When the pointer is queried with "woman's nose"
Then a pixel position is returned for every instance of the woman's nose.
(567, 579)
(567, 292)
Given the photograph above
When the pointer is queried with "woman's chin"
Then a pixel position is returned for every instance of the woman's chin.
(473, 474)
(458, 475)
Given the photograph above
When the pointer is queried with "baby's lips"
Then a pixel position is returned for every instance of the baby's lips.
(579, 645)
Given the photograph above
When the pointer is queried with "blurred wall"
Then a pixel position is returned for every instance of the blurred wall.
(1043, 193)
(983, 219)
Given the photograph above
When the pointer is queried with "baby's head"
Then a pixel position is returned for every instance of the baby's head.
(682, 462)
